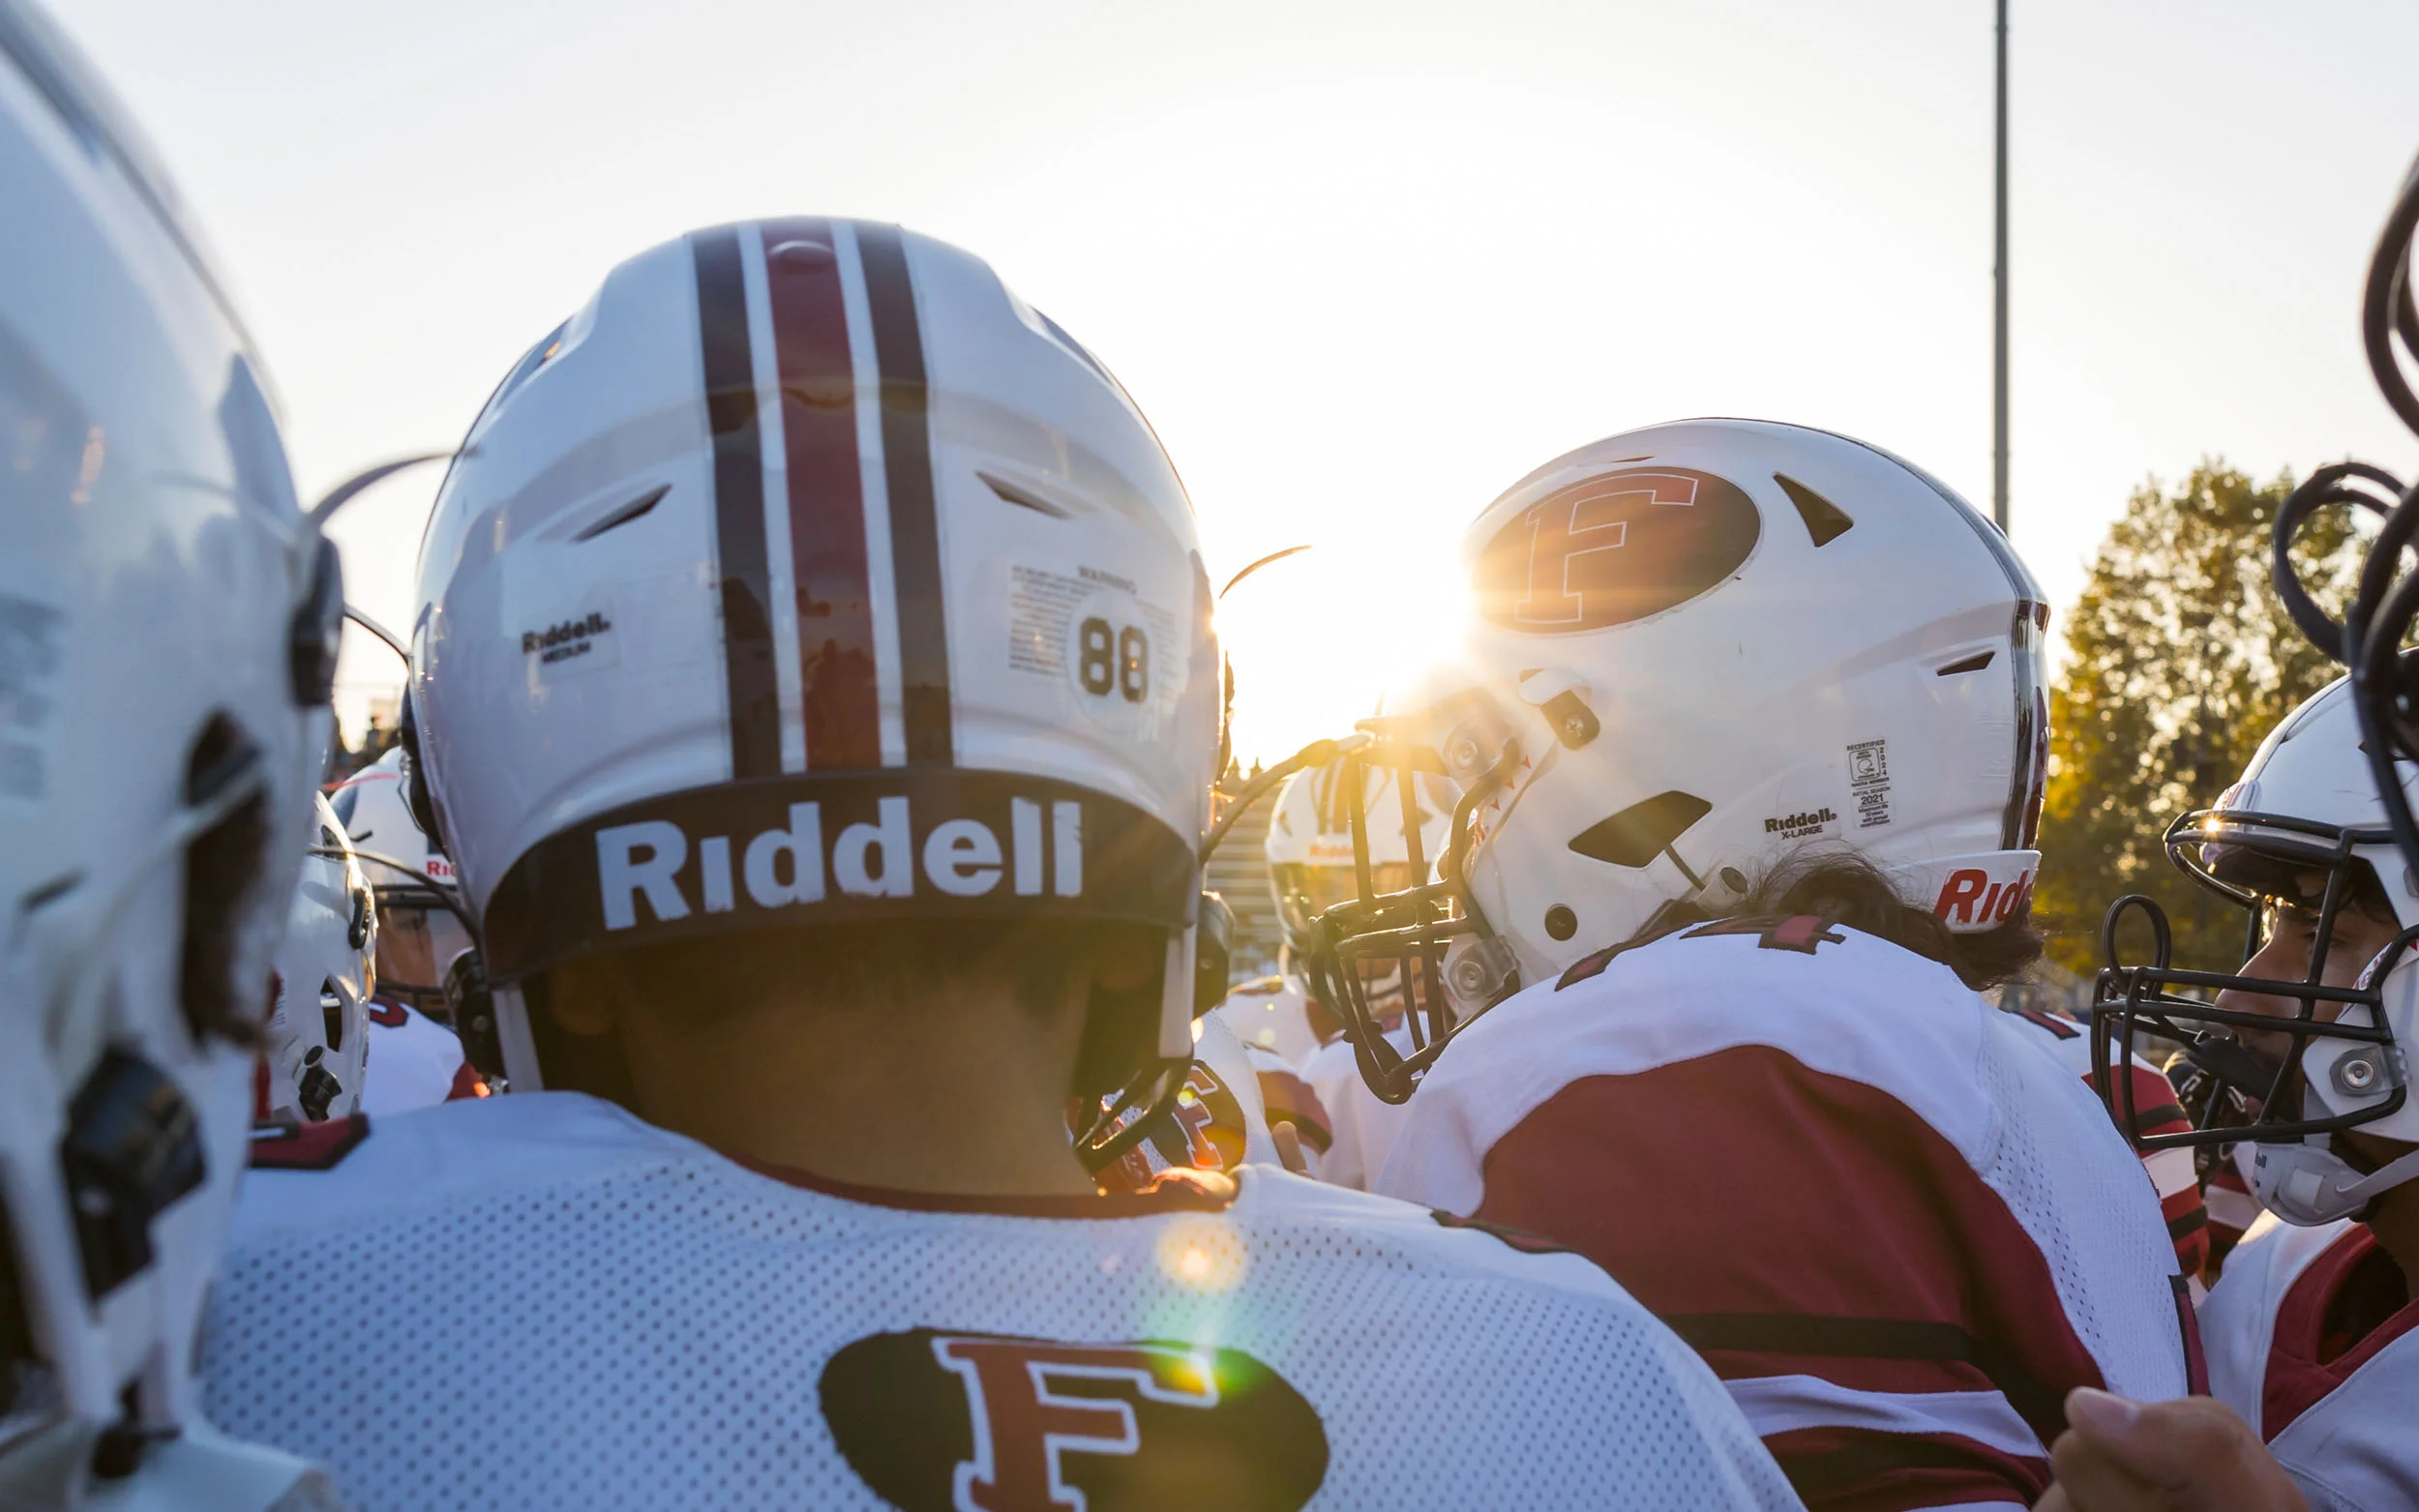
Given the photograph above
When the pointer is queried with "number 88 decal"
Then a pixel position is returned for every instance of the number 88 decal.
(1113, 659)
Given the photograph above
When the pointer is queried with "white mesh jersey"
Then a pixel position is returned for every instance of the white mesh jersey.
(1361, 1128)
(2337, 1411)
(414, 1062)
(573, 1309)
(2172, 1173)
(1898, 1231)
(1273, 1012)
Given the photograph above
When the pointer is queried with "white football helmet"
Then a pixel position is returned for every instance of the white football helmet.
(168, 623)
(808, 575)
(1309, 844)
(1697, 649)
(326, 970)
(412, 881)
(2307, 808)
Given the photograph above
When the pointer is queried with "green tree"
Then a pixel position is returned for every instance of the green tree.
(2179, 661)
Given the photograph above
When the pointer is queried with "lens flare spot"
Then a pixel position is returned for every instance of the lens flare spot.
(1202, 1253)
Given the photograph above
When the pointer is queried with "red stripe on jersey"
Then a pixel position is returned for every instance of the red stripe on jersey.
(2187, 1225)
(2154, 1105)
(2304, 1363)
(307, 1146)
(2188, 1322)
(1289, 1097)
(2058, 1024)
(1821, 1206)
(826, 496)
(1854, 1470)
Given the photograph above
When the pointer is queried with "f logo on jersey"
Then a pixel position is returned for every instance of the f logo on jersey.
(1026, 1419)
(1615, 547)
(977, 1422)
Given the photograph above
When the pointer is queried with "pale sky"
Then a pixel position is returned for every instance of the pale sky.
(1363, 265)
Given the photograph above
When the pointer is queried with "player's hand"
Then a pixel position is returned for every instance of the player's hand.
(1289, 1146)
(2191, 1455)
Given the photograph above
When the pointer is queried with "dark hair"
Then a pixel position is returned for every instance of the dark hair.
(1847, 889)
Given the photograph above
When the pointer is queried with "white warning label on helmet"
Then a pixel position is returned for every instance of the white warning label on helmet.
(30, 658)
(1868, 782)
(1092, 631)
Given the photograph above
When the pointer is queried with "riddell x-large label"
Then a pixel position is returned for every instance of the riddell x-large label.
(988, 1423)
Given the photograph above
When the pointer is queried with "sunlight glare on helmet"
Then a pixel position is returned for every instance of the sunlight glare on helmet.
(1401, 607)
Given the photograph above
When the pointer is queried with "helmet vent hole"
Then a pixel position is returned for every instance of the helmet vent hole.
(802, 256)
(1825, 521)
(332, 1015)
(1026, 498)
(1972, 663)
(1560, 923)
(627, 512)
(1642, 831)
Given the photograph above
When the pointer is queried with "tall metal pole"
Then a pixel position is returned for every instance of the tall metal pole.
(1999, 305)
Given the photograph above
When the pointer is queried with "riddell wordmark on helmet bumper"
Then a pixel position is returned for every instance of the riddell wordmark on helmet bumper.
(1804, 822)
(780, 867)
(561, 642)
(1970, 897)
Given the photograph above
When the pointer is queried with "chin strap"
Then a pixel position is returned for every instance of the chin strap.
(2307, 1186)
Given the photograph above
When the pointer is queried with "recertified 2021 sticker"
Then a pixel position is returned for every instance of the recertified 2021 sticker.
(1868, 782)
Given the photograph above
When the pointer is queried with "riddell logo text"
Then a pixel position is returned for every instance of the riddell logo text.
(1791, 826)
(1971, 896)
(962, 858)
(558, 643)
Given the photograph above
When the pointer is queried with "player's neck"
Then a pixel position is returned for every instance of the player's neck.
(2395, 1221)
(965, 1099)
